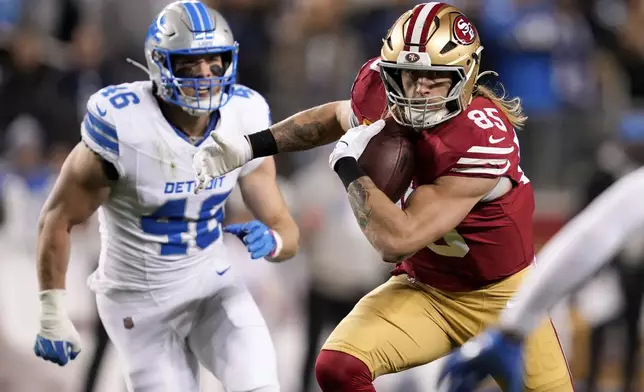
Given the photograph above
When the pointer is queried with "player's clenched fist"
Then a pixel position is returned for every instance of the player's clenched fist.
(58, 341)
(227, 153)
(259, 239)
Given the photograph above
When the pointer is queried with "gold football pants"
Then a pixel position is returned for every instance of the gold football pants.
(402, 324)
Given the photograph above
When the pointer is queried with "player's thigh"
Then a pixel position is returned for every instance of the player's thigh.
(230, 339)
(546, 369)
(155, 357)
(393, 328)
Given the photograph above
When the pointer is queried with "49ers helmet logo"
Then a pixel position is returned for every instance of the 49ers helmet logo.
(412, 57)
(464, 31)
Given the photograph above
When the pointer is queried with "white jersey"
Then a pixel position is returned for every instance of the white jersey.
(154, 229)
(577, 251)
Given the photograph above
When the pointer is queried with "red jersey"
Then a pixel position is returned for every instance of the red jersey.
(494, 240)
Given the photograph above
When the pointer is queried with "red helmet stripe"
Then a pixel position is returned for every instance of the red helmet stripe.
(419, 23)
(428, 22)
(412, 23)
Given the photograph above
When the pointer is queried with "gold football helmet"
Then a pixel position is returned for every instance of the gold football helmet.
(432, 37)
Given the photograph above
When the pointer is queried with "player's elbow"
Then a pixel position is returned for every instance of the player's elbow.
(398, 245)
(394, 257)
(391, 252)
(392, 247)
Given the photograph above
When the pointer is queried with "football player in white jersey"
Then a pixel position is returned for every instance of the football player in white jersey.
(571, 257)
(166, 287)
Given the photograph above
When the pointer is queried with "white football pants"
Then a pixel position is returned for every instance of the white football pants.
(162, 336)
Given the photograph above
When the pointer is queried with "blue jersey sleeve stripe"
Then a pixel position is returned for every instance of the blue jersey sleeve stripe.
(99, 138)
(191, 9)
(100, 127)
(103, 126)
(205, 16)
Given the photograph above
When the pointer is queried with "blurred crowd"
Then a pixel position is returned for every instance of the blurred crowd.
(578, 66)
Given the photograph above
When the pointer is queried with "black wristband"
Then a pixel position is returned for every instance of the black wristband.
(262, 143)
(348, 170)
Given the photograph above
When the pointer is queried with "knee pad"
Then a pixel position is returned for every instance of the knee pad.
(340, 372)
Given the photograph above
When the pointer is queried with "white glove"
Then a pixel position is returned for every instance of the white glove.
(227, 153)
(354, 142)
(58, 341)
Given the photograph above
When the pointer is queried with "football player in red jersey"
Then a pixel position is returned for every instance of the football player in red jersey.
(467, 222)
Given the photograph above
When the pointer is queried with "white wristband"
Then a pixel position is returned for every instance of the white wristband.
(278, 245)
(52, 301)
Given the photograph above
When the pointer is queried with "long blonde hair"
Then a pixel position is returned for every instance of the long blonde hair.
(511, 107)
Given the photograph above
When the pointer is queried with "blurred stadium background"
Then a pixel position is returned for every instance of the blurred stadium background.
(578, 65)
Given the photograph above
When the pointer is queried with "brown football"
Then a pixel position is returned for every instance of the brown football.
(389, 159)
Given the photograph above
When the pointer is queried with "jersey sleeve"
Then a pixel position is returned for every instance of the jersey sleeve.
(577, 251)
(260, 119)
(99, 131)
(368, 99)
(479, 143)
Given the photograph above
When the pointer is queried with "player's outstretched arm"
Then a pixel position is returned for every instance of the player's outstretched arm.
(305, 130)
(577, 251)
(263, 198)
(81, 187)
(79, 190)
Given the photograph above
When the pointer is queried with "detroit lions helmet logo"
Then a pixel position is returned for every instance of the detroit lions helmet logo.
(157, 28)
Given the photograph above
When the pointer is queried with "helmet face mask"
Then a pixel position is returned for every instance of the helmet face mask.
(431, 37)
(422, 112)
(190, 30)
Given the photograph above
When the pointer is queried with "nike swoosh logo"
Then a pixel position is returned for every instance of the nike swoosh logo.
(101, 113)
(220, 273)
(495, 141)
